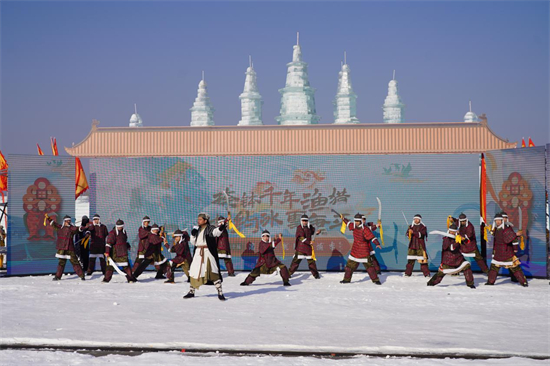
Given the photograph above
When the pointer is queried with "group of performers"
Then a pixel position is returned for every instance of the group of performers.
(211, 243)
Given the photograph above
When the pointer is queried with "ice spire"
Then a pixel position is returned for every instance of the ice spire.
(345, 103)
(297, 97)
(135, 119)
(251, 100)
(470, 116)
(202, 112)
(393, 106)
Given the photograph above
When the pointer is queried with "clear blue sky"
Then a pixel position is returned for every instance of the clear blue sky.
(64, 64)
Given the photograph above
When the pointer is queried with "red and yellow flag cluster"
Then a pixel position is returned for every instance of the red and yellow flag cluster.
(3, 174)
(81, 183)
(531, 143)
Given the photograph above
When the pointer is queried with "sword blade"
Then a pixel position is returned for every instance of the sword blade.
(520, 226)
(405, 217)
(379, 209)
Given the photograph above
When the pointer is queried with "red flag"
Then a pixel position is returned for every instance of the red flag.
(81, 183)
(3, 174)
(39, 150)
(523, 142)
(53, 142)
(531, 144)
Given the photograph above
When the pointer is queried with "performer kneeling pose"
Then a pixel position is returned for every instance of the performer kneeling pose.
(153, 254)
(205, 266)
(267, 261)
(452, 260)
(183, 254)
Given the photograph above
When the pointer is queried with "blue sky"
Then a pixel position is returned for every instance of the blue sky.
(64, 64)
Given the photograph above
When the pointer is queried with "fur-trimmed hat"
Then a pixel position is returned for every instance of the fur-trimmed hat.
(462, 216)
(304, 218)
(266, 232)
(358, 217)
(146, 218)
(67, 217)
(499, 216)
(417, 216)
(453, 227)
(155, 226)
(119, 223)
(96, 217)
(503, 214)
(178, 233)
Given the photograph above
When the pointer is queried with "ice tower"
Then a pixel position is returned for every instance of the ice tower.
(297, 97)
(393, 107)
(345, 103)
(135, 119)
(470, 116)
(251, 100)
(202, 112)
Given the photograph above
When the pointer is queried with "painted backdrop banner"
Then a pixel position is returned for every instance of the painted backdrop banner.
(272, 192)
(37, 185)
(516, 185)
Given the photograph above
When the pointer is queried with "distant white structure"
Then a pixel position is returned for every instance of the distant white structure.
(470, 116)
(135, 119)
(202, 112)
(297, 97)
(394, 109)
(251, 100)
(345, 103)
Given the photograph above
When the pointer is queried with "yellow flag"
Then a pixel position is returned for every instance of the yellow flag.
(313, 253)
(343, 228)
(381, 234)
(234, 228)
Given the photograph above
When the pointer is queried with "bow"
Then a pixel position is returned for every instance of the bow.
(380, 220)
(231, 225)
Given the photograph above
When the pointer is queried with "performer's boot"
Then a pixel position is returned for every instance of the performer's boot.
(248, 280)
(59, 272)
(469, 276)
(313, 269)
(160, 275)
(103, 265)
(129, 277)
(218, 285)
(285, 275)
(376, 264)
(108, 275)
(482, 265)
(293, 267)
(520, 277)
(373, 276)
(141, 268)
(136, 264)
(79, 271)
(425, 270)
(190, 294)
(409, 268)
(172, 274)
(229, 266)
(347, 275)
(492, 277)
(436, 279)
(169, 273)
(91, 267)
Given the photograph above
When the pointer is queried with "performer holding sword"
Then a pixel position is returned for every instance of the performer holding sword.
(417, 234)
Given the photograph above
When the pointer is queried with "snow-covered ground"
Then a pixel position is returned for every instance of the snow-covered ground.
(401, 317)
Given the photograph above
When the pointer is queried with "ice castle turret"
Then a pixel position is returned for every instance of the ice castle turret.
(251, 100)
(202, 112)
(297, 97)
(345, 103)
(135, 119)
(393, 107)
(471, 116)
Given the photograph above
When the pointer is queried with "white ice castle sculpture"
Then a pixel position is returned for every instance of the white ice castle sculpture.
(471, 116)
(297, 97)
(345, 103)
(202, 112)
(135, 119)
(394, 109)
(251, 100)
